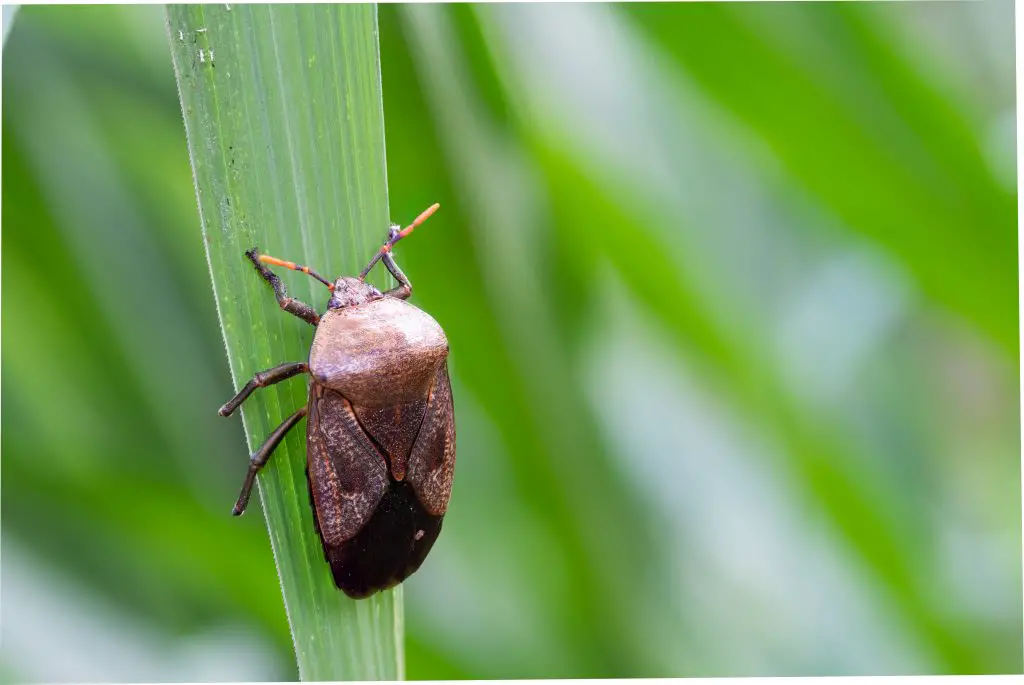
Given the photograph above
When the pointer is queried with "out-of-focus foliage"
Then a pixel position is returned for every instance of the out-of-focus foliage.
(730, 291)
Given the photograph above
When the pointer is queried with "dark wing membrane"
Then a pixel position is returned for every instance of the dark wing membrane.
(390, 547)
(347, 475)
(432, 461)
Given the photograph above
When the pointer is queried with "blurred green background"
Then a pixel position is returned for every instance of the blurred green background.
(731, 292)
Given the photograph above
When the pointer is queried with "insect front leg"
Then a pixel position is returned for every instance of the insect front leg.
(261, 380)
(260, 458)
(289, 304)
(404, 288)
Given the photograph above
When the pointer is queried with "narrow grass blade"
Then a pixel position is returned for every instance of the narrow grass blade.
(283, 112)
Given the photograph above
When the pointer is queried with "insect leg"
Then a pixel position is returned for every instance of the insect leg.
(394, 235)
(261, 380)
(290, 305)
(404, 288)
(260, 457)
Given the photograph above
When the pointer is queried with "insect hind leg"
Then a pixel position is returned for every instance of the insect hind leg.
(261, 456)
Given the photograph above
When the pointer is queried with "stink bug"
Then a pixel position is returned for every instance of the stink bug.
(380, 426)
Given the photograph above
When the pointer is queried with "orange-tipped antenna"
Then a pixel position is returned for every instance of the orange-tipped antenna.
(267, 259)
(424, 215)
(396, 236)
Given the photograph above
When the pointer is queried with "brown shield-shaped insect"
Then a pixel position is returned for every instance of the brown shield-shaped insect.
(380, 428)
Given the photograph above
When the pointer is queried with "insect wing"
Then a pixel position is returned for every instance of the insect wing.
(432, 461)
(347, 476)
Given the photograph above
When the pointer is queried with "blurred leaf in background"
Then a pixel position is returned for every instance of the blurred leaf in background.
(116, 470)
(731, 296)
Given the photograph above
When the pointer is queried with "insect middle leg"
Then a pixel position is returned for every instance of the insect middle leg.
(260, 458)
(261, 380)
(289, 304)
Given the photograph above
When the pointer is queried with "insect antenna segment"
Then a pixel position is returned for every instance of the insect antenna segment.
(395, 236)
(267, 259)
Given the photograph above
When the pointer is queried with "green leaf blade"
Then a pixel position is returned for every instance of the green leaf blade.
(282, 107)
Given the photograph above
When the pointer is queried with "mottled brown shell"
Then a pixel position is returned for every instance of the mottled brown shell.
(380, 441)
